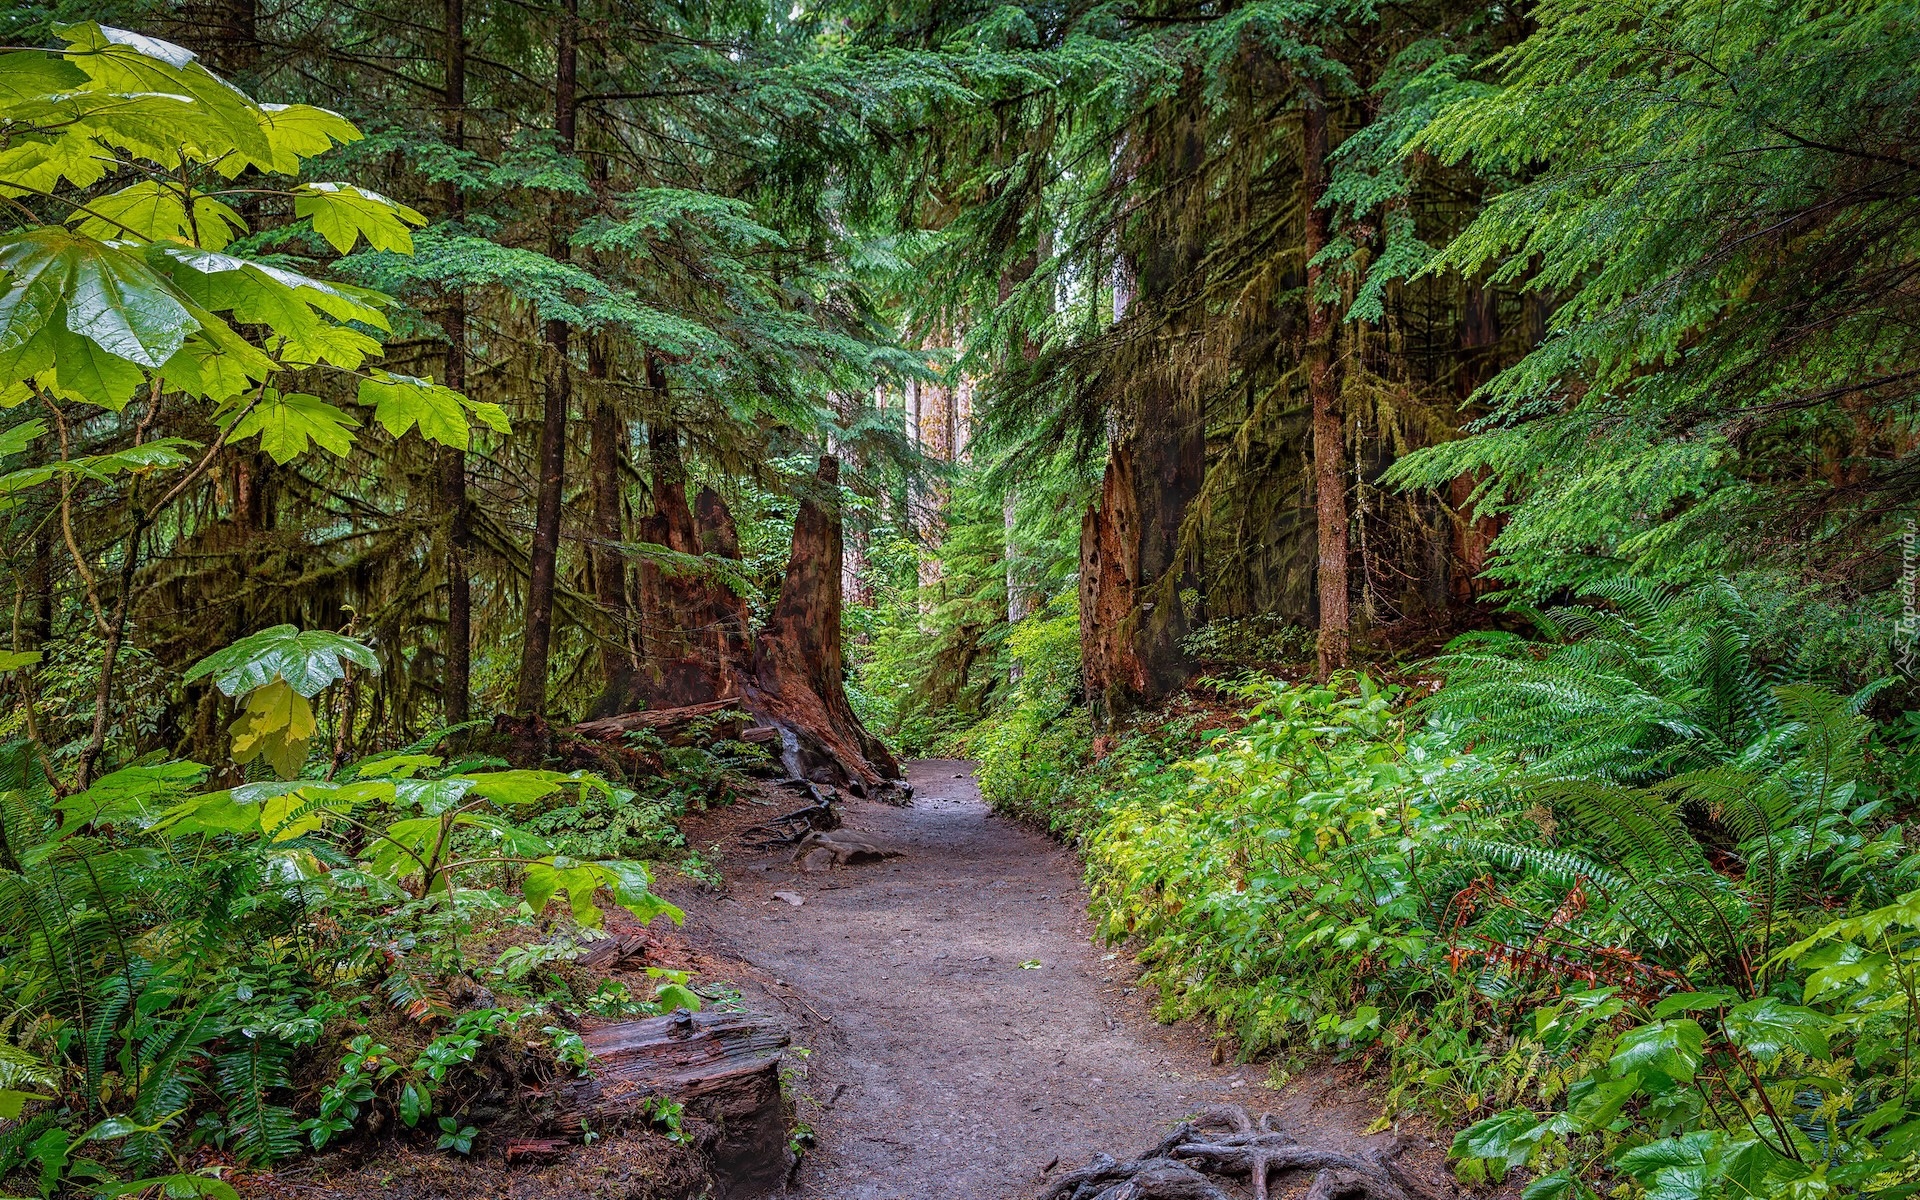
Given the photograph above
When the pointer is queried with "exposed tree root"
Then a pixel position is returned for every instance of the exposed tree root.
(818, 851)
(790, 828)
(1177, 1168)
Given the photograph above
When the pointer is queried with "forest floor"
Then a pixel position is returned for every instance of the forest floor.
(967, 1037)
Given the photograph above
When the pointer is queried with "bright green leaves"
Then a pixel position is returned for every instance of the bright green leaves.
(288, 423)
(400, 402)
(57, 281)
(157, 211)
(129, 287)
(344, 214)
(278, 669)
(1766, 1029)
(309, 661)
(297, 131)
(628, 881)
(1668, 1050)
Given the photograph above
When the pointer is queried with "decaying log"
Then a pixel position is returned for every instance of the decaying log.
(725, 1067)
(1172, 1169)
(657, 719)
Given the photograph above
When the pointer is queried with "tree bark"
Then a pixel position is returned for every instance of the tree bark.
(1323, 391)
(530, 698)
(608, 456)
(797, 679)
(457, 672)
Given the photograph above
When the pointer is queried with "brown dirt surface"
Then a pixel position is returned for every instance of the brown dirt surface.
(968, 1038)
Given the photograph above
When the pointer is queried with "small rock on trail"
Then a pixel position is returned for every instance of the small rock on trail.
(940, 1067)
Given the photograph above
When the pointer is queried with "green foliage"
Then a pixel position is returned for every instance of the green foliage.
(169, 950)
(1717, 201)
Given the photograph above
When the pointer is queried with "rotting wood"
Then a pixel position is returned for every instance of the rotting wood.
(817, 851)
(610, 728)
(724, 1067)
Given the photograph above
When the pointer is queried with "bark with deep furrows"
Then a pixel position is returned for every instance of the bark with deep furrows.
(1132, 570)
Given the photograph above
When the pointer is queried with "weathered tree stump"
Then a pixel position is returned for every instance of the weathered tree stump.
(724, 1067)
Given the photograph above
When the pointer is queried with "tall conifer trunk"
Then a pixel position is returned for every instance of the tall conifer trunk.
(608, 452)
(457, 672)
(1323, 390)
(531, 696)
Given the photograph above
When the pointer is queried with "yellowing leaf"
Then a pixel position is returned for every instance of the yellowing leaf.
(297, 131)
(277, 725)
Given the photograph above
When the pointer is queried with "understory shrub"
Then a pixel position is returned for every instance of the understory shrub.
(172, 952)
(1591, 897)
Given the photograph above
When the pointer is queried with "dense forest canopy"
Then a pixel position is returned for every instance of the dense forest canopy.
(462, 422)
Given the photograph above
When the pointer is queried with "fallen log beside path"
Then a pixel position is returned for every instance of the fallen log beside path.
(725, 1069)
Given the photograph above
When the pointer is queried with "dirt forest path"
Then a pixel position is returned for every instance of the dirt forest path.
(940, 1065)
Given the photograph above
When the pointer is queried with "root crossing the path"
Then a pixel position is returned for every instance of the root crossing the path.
(969, 1039)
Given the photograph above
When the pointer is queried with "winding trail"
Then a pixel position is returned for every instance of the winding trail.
(942, 1066)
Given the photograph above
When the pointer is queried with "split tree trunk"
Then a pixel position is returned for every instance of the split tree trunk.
(797, 679)
(530, 698)
(1323, 390)
(789, 676)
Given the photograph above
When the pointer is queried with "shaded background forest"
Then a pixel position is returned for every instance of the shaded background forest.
(1159, 303)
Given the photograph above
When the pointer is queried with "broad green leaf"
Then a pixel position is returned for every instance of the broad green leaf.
(1557, 1186)
(632, 885)
(17, 439)
(136, 795)
(431, 796)
(85, 373)
(27, 74)
(401, 401)
(225, 126)
(309, 661)
(1683, 1002)
(1670, 1049)
(1593, 1102)
(157, 211)
(13, 660)
(523, 787)
(1677, 1168)
(1766, 1028)
(677, 995)
(1507, 1137)
(289, 422)
(343, 214)
(297, 131)
(129, 316)
(206, 1187)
